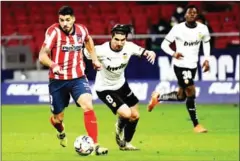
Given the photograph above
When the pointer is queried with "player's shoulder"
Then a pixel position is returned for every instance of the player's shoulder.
(102, 49)
(51, 28)
(201, 25)
(129, 44)
(80, 25)
(180, 25)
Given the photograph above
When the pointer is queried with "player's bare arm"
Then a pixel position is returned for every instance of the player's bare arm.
(45, 60)
(150, 56)
(91, 49)
(177, 55)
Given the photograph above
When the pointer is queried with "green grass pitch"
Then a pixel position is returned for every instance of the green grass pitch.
(164, 134)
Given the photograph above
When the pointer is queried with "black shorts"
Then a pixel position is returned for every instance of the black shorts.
(116, 98)
(185, 76)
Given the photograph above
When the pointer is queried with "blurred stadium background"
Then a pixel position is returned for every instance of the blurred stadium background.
(24, 80)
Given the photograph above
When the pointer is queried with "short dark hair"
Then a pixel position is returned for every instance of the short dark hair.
(190, 6)
(66, 10)
(123, 29)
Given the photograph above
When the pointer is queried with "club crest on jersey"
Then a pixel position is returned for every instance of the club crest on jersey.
(71, 47)
(79, 37)
(125, 56)
(200, 36)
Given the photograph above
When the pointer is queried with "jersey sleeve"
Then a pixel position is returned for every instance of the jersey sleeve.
(50, 38)
(136, 50)
(171, 35)
(87, 54)
(206, 35)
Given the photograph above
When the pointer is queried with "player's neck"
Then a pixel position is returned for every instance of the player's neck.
(110, 45)
(71, 32)
(191, 24)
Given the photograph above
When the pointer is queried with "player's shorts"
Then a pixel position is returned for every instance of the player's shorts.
(60, 91)
(116, 98)
(185, 76)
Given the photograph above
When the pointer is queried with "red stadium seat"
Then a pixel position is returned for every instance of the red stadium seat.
(213, 16)
(153, 13)
(125, 18)
(107, 8)
(137, 10)
(229, 26)
(221, 42)
(234, 40)
(167, 11)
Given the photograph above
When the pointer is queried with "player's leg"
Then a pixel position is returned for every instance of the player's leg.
(59, 99)
(132, 101)
(81, 94)
(191, 107)
(179, 95)
(117, 106)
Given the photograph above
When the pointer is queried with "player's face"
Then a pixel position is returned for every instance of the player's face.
(66, 22)
(191, 15)
(118, 41)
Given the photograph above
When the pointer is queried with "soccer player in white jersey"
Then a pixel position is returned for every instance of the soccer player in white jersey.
(187, 35)
(111, 85)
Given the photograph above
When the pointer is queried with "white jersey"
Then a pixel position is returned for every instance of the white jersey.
(112, 75)
(188, 42)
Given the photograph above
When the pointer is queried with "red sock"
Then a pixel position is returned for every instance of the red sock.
(91, 124)
(58, 126)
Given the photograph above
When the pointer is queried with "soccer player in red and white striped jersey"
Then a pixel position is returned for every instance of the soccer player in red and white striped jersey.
(61, 52)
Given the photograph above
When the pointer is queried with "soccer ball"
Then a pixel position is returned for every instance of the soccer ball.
(84, 145)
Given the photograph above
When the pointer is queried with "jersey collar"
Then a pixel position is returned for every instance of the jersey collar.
(66, 32)
(112, 48)
(191, 27)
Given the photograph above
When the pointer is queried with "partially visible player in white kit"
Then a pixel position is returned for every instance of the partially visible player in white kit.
(111, 85)
(188, 36)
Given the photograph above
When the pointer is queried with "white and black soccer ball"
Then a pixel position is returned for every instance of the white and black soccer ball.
(84, 145)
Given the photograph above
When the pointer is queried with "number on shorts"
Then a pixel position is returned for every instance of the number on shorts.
(187, 74)
(51, 101)
(109, 99)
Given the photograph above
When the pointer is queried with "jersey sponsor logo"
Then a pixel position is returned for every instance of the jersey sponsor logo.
(191, 43)
(71, 47)
(116, 68)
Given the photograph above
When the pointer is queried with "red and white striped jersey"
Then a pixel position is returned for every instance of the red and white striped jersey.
(66, 50)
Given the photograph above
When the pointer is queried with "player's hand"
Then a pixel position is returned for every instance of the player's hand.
(97, 65)
(56, 69)
(178, 55)
(206, 66)
(150, 55)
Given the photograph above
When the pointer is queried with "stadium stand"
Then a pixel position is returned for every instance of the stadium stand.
(32, 18)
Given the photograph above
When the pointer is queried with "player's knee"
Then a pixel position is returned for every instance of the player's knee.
(126, 114)
(134, 116)
(58, 117)
(124, 111)
(190, 91)
(182, 98)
